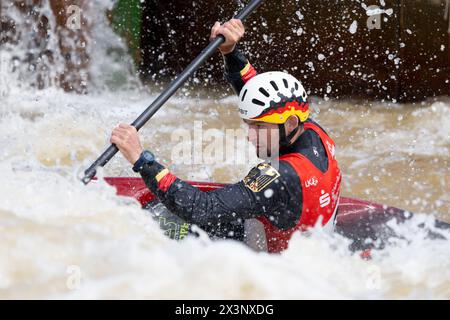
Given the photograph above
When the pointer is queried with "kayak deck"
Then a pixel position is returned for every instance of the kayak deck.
(358, 220)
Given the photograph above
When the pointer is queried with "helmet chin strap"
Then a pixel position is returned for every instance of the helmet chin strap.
(285, 141)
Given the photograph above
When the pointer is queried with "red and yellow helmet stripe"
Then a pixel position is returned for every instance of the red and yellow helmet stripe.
(279, 115)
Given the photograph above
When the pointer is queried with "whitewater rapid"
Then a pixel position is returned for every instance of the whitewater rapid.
(62, 239)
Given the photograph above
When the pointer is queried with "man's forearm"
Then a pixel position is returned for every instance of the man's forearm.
(195, 206)
(238, 69)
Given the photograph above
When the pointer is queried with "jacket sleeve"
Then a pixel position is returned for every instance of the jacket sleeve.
(238, 69)
(278, 197)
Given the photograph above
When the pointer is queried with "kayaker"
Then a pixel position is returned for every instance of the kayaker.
(302, 190)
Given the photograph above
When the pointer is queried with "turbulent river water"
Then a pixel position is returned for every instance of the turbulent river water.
(61, 239)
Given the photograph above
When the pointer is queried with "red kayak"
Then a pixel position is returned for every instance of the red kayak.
(358, 220)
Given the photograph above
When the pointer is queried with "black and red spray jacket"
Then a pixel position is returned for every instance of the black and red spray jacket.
(293, 203)
(320, 193)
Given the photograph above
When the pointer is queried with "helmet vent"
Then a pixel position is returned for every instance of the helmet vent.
(285, 83)
(243, 96)
(264, 92)
(296, 86)
(259, 103)
(274, 85)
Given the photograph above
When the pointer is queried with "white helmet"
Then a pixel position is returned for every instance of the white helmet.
(273, 97)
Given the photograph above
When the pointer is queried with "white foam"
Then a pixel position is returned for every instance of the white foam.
(61, 239)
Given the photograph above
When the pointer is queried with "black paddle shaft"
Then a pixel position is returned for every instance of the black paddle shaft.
(166, 94)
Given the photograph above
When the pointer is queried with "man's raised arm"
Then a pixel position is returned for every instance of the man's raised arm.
(238, 69)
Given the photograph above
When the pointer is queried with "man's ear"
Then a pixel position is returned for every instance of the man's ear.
(291, 123)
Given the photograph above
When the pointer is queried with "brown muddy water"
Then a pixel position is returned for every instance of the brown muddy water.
(61, 239)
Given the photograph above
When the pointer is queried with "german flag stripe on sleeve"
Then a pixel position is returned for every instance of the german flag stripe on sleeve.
(165, 180)
(248, 72)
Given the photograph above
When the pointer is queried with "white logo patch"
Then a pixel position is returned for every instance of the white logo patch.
(331, 149)
(316, 153)
(324, 199)
(311, 182)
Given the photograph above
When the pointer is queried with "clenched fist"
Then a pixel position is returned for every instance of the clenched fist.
(126, 138)
(232, 30)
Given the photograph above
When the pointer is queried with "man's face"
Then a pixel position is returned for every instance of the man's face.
(265, 137)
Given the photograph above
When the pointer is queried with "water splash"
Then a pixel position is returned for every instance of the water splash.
(61, 239)
(41, 51)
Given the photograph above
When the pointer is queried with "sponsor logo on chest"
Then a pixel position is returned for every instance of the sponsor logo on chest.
(331, 148)
(324, 199)
(311, 182)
